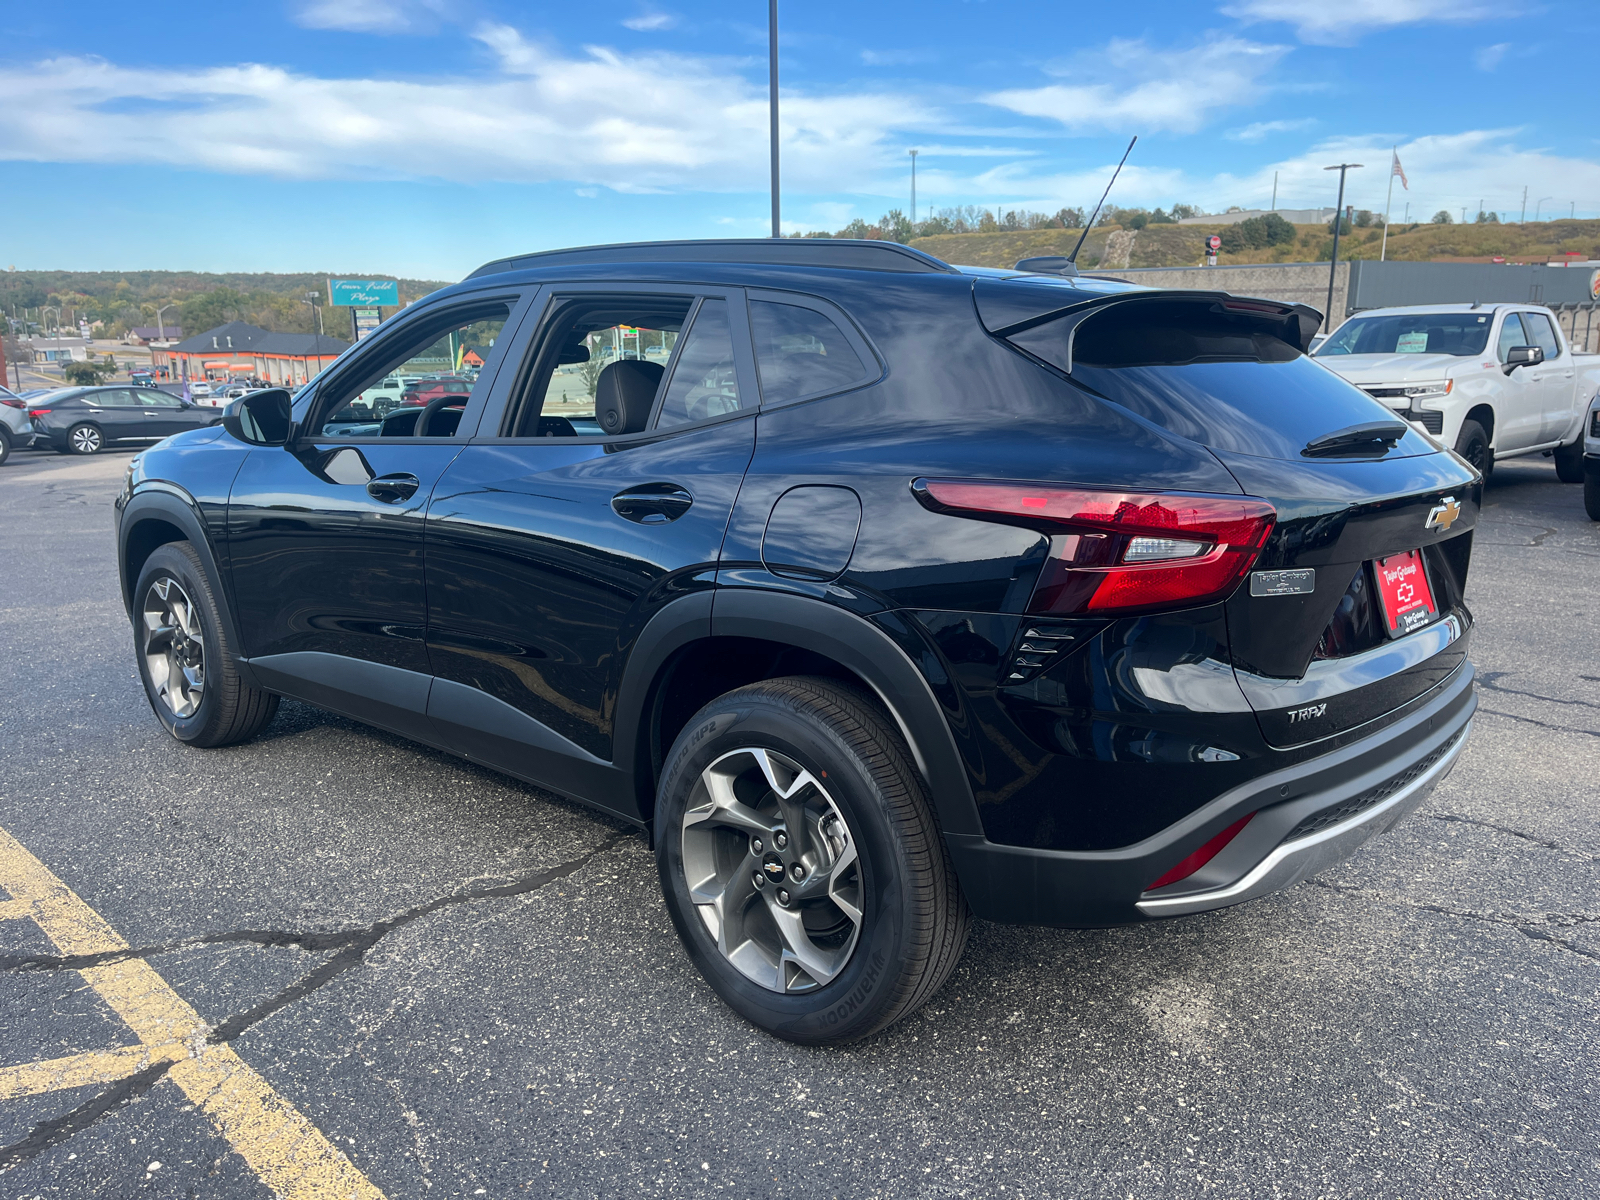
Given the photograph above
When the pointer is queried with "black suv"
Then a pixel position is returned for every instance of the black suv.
(878, 592)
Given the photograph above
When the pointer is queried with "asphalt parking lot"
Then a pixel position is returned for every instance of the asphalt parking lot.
(433, 981)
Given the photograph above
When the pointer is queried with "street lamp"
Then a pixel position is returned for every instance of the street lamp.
(913, 193)
(772, 105)
(1338, 220)
(161, 326)
(44, 308)
(1536, 208)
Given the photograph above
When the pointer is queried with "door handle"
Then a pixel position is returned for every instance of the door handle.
(652, 503)
(392, 489)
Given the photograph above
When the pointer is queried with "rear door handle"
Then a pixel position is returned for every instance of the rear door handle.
(652, 503)
(392, 489)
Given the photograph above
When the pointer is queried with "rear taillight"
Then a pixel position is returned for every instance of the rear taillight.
(1120, 552)
(12, 402)
(38, 412)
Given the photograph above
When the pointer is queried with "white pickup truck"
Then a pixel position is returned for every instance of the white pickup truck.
(1491, 380)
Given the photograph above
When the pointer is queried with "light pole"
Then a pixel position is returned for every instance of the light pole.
(913, 193)
(772, 105)
(316, 316)
(161, 326)
(1539, 205)
(44, 308)
(1338, 220)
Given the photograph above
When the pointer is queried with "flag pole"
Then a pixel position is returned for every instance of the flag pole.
(1383, 251)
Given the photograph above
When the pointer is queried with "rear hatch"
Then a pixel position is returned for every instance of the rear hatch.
(1354, 606)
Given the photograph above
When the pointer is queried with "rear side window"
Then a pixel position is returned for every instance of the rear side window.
(801, 352)
(704, 383)
(1226, 380)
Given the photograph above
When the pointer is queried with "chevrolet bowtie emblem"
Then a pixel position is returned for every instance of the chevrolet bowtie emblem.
(1443, 515)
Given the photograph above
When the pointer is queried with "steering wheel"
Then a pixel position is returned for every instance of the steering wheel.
(437, 404)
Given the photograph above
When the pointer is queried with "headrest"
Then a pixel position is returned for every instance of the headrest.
(624, 393)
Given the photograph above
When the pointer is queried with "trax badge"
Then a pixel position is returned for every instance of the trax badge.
(1311, 713)
(1443, 515)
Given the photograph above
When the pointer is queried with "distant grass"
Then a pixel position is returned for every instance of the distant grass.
(1184, 245)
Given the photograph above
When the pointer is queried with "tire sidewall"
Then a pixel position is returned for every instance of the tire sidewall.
(852, 1003)
(1471, 432)
(167, 561)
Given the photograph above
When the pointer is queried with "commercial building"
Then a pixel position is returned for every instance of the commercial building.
(239, 350)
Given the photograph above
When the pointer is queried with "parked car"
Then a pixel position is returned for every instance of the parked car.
(1591, 460)
(425, 390)
(903, 594)
(199, 389)
(1494, 381)
(15, 431)
(87, 420)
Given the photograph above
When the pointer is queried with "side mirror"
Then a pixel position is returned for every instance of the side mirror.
(1523, 356)
(261, 418)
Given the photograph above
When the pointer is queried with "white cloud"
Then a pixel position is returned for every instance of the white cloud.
(897, 58)
(1489, 57)
(1448, 171)
(646, 22)
(1341, 24)
(640, 123)
(1261, 129)
(1129, 86)
(372, 16)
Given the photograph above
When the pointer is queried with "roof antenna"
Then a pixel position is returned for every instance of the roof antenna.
(1055, 265)
(1089, 224)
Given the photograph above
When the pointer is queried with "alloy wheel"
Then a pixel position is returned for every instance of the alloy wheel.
(86, 439)
(772, 869)
(174, 647)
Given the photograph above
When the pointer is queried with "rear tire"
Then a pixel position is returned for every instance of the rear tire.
(1569, 461)
(1472, 444)
(184, 656)
(85, 439)
(873, 923)
(5, 447)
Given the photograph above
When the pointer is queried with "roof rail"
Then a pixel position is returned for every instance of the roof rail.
(839, 253)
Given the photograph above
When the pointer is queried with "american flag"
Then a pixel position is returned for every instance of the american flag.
(1397, 169)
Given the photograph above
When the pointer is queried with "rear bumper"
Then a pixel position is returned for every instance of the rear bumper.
(1306, 818)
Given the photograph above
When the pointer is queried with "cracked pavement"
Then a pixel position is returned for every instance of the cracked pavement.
(472, 989)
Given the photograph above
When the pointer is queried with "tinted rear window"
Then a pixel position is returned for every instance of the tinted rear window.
(1225, 380)
(800, 352)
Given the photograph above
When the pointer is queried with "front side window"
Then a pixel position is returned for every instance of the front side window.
(1511, 334)
(431, 367)
(800, 352)
(156, 399)
(704, 383)
(1544, 337)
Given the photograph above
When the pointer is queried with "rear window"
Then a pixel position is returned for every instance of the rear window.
(1226, 380)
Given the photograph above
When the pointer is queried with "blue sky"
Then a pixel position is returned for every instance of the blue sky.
(422, 137)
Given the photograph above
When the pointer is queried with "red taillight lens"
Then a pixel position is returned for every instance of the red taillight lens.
(38, 412)
(11, 403)
(1120, 552)
(1201, 856)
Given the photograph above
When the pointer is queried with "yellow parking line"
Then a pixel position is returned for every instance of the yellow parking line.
(12, 910)
(287, 1152)
(80, 1070)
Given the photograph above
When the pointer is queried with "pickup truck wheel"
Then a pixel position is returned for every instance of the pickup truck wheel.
(1591, 490)
(1472, 443)
(184, 657)
(1569, 461)
(802, 864)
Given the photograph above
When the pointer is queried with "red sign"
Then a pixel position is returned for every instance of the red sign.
(1403, 588)
(1214, 242)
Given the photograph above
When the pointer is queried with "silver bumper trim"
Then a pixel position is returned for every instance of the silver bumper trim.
(1297, 860)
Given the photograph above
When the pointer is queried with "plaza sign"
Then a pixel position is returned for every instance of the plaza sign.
(364, 293)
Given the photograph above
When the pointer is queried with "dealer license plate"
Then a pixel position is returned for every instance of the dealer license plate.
(1403, 588)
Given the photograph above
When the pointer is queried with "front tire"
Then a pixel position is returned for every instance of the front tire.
(802, 864)
(1569, 461)
(85, 439)
(1472, 444)
(184, 657)
(5, 447)
(1591, 490)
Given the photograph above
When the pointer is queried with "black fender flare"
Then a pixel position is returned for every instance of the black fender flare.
(807, 624)
(170, 504)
